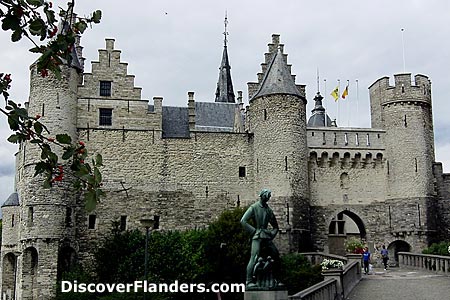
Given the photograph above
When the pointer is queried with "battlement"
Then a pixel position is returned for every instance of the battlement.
(403, 90)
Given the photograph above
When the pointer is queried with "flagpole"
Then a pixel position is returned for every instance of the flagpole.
(325, 93)
(348, 106)
(357, 99)
(403, 50)
(339, 88)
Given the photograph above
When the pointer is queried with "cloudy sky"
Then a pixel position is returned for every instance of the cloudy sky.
(175, 46)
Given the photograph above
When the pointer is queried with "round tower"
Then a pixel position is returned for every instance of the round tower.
(278, 122)
(404, 111)
(46, 214)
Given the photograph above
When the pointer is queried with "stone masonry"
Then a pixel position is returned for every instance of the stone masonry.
(189, 164)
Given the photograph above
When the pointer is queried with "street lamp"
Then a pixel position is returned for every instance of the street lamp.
(147, 223)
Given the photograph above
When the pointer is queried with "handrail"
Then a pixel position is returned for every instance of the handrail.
(430, 262)
(329, 286)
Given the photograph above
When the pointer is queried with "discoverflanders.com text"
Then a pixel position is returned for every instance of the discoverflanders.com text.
(146, 287)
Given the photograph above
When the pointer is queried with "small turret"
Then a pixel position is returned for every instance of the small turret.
(319, 118)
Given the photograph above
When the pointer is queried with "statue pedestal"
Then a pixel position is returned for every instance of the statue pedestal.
(266, 295)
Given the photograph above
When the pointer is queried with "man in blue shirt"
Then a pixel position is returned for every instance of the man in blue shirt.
(366, 260)
(385, 256)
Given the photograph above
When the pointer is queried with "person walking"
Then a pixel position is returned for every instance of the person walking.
(385, 256)
(366, 260)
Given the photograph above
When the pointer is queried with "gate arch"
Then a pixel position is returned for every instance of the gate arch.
(343, 225)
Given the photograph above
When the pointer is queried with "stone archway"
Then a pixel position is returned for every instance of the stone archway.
(29, 274)
(9, 269)
(342, 226)
(394, 248)
(67, 259)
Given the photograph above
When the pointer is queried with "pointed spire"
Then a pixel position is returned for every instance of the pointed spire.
(277, 79)
(224, 92)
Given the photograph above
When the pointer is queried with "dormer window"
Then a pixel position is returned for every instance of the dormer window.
(105, 88)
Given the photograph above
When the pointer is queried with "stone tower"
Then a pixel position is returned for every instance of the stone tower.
(278, 122)
(404, 112)
(44, 244)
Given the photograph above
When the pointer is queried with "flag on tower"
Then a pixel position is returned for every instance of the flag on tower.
(345, 93)
(335, 93)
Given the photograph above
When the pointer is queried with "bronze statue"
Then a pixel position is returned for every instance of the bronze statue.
(262, 237)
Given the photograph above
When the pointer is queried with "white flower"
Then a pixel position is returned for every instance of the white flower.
(448, 249)
(331, 264)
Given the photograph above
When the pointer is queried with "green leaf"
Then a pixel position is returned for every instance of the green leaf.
(81, 26)
(64, 138)
(46, 184)
(91, 200)
(15, 138)
(99, 160)
(98, 176)
(16, 36)
(13, 121)
(38, 127)
(11, 22)
(35, 2)
(37, 26)
(96, 16)
(36, 50)
(68, 153)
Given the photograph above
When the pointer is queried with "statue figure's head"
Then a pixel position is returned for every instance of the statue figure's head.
(265, 195)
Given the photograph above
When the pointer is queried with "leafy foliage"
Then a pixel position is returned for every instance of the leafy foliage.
(37, 21)
(216, 254)
(441, 248)
(297, 273)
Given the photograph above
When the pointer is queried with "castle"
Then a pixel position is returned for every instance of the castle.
(185, 165)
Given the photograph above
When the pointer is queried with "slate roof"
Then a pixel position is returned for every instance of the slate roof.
(318, 116)
(277, 79)
(13, 200)
(224, 92)
(209, 116)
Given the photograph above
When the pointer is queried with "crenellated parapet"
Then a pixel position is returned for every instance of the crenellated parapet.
(404, 89)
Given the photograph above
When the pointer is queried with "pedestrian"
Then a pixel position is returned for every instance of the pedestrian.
(385, 256)
(366, 260)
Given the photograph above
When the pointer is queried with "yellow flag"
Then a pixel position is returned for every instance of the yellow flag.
(335, 93)
(345, 93)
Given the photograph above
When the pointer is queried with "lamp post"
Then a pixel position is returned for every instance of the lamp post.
(147, 223)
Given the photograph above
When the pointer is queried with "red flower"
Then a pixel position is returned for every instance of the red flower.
(37, 117)
(44, 72)
(51, 140)
(81, 143)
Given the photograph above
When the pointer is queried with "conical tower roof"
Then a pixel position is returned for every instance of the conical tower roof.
(277, 79)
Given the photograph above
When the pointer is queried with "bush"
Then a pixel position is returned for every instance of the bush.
(441, 248)
(298, 274)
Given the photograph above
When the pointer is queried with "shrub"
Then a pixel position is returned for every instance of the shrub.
(440, 248)
(297, 273)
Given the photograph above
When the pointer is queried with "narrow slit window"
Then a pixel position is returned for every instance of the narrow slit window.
(91, 222)
(345, 139)
(356, 140)
(368, 140)
(123, 223)
(30, 216)
(68, 217)
(241, 171)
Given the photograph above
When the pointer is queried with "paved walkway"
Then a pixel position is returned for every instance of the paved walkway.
(401, 284)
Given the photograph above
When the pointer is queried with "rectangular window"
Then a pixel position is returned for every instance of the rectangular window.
(105, 88)
(105, 117)
(12, 220)
(123, 223)
(68, 217)
(92, 220)
(241, 171)
(30, 216)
